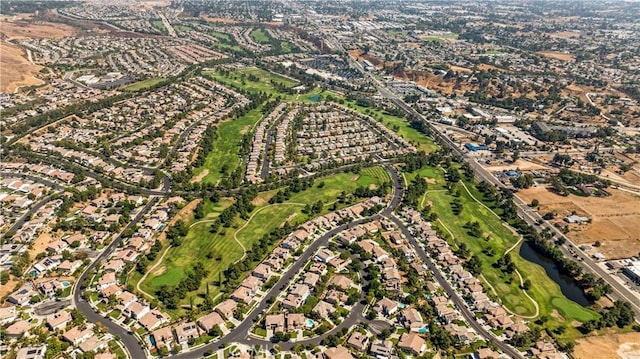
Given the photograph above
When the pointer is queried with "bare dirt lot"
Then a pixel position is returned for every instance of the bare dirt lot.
(557, 55)
(520, 165)
(23, 27)
(625, 346)
(40, 244)
(222, 20)
(15, 68)
(614, 219)
(8, 287)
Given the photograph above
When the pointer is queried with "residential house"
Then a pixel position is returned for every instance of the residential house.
(76, 335)
(262, 271)
(386, 306)
(338, 352)
(58, 320)
(412, 343)
(8, 314)
(311, 279)
(275, 322)
(324, 309)
(209, 321)
(486, 353)
(295, 321)
(163, 337)
(358, 341)
(341, 281)
(325, 255)
(153, 319)
(226, 308)
(17, 329)
(106, 280)
(136, 310)
(33, 352)
(186, 332)
(411, 319)
(22, 295)
(381, 349)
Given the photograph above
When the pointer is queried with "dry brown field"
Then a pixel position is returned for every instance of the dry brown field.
(614, 219)
(612, 346)
(557, 55)
(15, 68)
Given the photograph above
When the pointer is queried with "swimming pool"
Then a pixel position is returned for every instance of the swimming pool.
(65, 284)
(423, 330)
(402, 305)
(310, 323)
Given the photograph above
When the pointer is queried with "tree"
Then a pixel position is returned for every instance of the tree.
(535, 203)
(474, 265)
(4, 277)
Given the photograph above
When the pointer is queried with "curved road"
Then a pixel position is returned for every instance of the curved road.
(128, 339)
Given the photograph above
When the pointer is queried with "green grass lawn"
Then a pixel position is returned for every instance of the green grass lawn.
(219, 250)
(140, 85)
(433, 39)
(159, 25)
(373, 175)
(260, 36)
(285, 47)
(221, 35)
(182, 27)
(263, 84)
(224, 47)
(226, 147)
(400, 126)
(543, 289)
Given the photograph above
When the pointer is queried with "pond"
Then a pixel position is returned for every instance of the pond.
(568, 286)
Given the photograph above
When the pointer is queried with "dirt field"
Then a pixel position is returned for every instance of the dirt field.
(460, 69)
(557, 55)
(614, 219)
(8, 288)
(625, 346)
(40, 244)
(518, 165)
(26, 29)
(199, 177)
(15, 68)
(565, 34)
(222, 20)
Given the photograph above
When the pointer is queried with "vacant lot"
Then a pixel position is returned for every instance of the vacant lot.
(15, 68)
(557, 55)
(25, 28)
(614, 219)
(613, 346)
